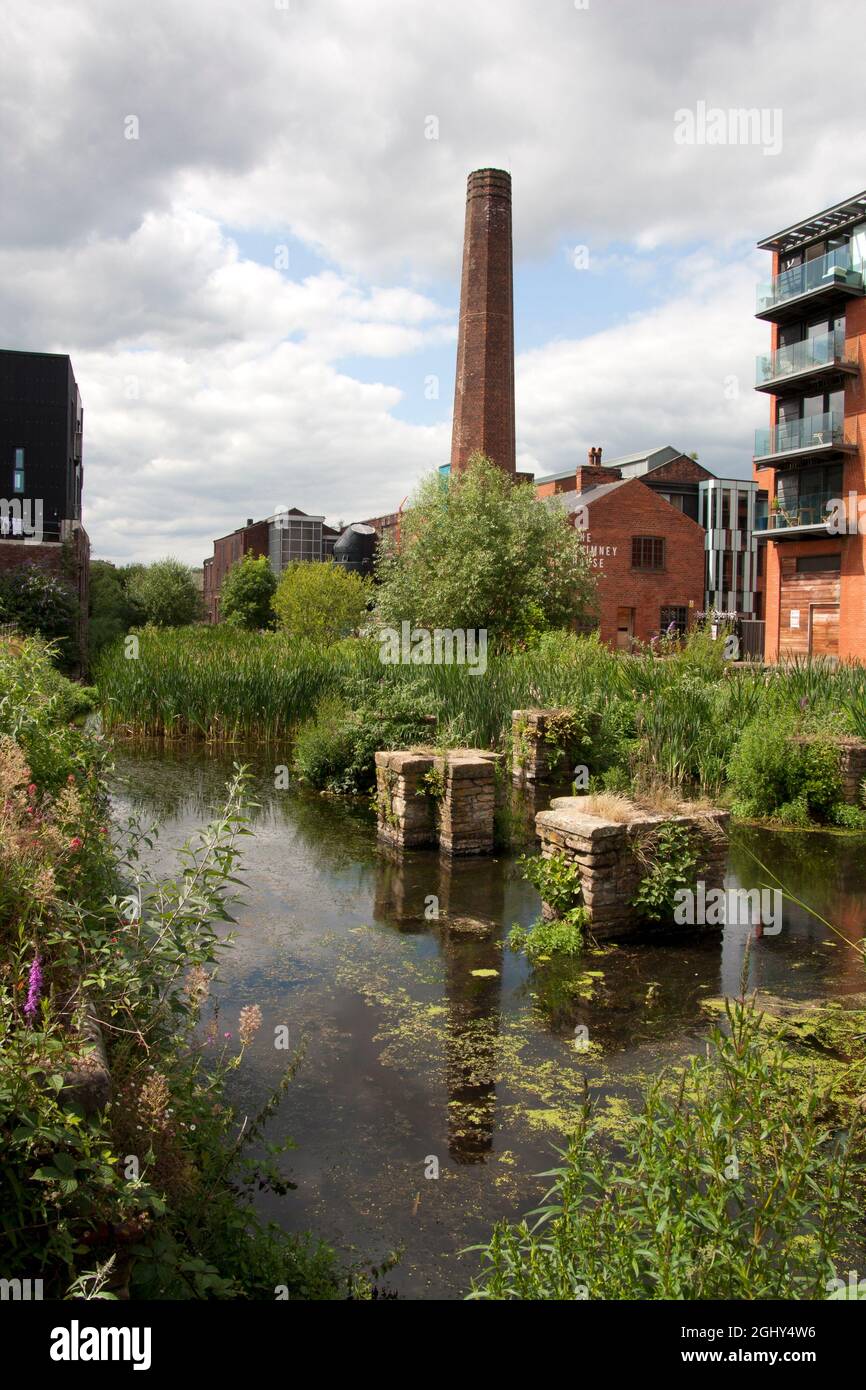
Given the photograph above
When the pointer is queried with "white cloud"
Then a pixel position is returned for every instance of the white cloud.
(679, 374)
(309, 122)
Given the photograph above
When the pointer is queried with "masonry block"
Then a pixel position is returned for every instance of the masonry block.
(603, 851)
(543, 746)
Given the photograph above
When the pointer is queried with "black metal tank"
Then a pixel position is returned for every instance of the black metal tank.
(356, 547)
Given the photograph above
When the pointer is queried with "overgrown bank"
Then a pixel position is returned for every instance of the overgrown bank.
(741, 1179)
(105, 973)
(685, 722)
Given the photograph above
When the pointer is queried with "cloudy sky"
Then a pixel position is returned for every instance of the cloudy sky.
(243, 218)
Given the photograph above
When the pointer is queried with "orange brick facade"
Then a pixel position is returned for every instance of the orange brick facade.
(809, 598)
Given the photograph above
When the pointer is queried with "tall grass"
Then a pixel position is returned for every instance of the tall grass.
(679, 717)
(219, 684)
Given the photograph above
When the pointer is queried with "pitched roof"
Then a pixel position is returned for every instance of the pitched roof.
(574, 499)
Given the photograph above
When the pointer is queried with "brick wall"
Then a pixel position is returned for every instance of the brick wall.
(226, 552)
(679, 470)
(484, 385)
(634, 510)
(69, 562)
(852, 588)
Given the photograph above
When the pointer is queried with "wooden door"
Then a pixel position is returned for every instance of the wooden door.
(824, 629)
(624, 628)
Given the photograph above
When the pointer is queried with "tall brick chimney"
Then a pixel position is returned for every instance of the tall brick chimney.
(484, 388)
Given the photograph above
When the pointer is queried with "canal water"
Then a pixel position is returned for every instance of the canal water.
(429, 1045)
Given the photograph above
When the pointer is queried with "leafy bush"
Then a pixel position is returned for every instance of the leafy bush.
(777, 775)
(40, 604)
(320, 602)
(112, 610)
(165, 593)
(478, 551)
(247, 593)
(670, 857)
(558, 882)
(564, 936)
(325, 745)
(556, 878)
(37, 704)
(848, 817)
(336, 749)
(731, 1187)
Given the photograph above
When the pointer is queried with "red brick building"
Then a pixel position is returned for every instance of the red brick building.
(812, 458)
(649, 556)
(286, 537)
(251, 539)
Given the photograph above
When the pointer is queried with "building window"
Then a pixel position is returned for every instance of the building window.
(676, 618)
(647, 553)
(18, 472)
(819, 564)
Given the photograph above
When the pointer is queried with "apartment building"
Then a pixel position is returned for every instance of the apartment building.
(42, 473)
(810, 456)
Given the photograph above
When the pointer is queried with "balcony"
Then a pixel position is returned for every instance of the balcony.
(815, 437)
(805, 517)
(810, 362)
(814, 285)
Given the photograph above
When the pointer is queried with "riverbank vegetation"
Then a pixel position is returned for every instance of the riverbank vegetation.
(122, 1167)
(739, 1180)
(685, 722)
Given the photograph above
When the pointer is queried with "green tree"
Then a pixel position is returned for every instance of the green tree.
(165, 593)
(36, 603)
(321, 601)
(247, 593)
(478, 550)
(112, 611)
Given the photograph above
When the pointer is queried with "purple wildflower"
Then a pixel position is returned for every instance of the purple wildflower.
(34, 989)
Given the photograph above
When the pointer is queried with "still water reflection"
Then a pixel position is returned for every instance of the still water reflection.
(430, 1039)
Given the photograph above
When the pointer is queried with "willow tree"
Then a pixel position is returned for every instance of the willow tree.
(478, 550)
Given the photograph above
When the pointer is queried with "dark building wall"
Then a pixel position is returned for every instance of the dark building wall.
(40, 412)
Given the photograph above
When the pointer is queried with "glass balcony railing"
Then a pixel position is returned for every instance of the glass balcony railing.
(824, 350)
(824, 272)
(808, 510)
(813, 432)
